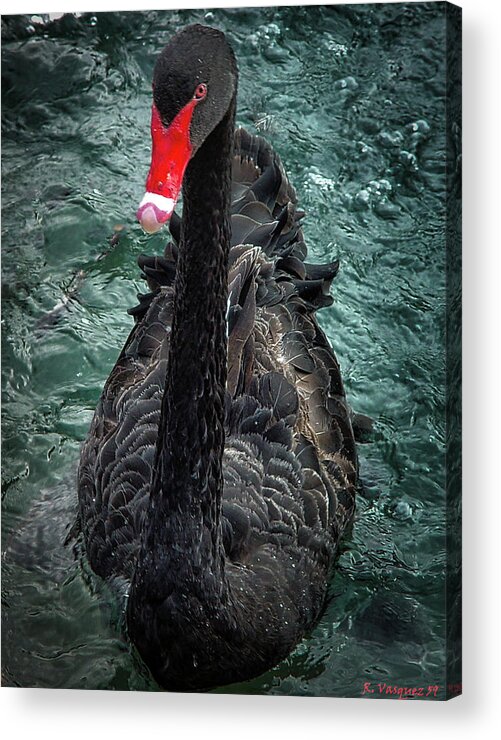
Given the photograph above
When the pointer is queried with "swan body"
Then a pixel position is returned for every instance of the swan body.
(219, 471)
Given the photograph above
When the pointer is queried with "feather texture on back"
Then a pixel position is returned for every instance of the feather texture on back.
(290, 460)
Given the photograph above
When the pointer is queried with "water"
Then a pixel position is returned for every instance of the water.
(352, 97)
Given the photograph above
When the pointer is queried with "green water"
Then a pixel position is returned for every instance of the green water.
(352, 97)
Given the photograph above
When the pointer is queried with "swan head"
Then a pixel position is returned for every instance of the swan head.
(194, 82)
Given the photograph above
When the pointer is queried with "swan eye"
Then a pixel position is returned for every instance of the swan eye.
(200, 91)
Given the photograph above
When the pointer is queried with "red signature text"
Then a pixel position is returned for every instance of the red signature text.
(403, 692)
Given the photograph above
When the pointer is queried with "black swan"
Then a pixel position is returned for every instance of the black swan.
(220, 468)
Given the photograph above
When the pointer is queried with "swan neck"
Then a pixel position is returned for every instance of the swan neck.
(188, 467)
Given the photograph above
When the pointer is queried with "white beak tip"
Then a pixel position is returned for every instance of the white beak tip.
(154, 211)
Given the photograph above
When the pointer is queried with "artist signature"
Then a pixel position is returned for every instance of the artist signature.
(403, 692)
(408, 692)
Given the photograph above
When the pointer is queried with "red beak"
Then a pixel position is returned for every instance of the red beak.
(171, 152)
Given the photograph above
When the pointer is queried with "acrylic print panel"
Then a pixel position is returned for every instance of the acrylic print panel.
(131, 574)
